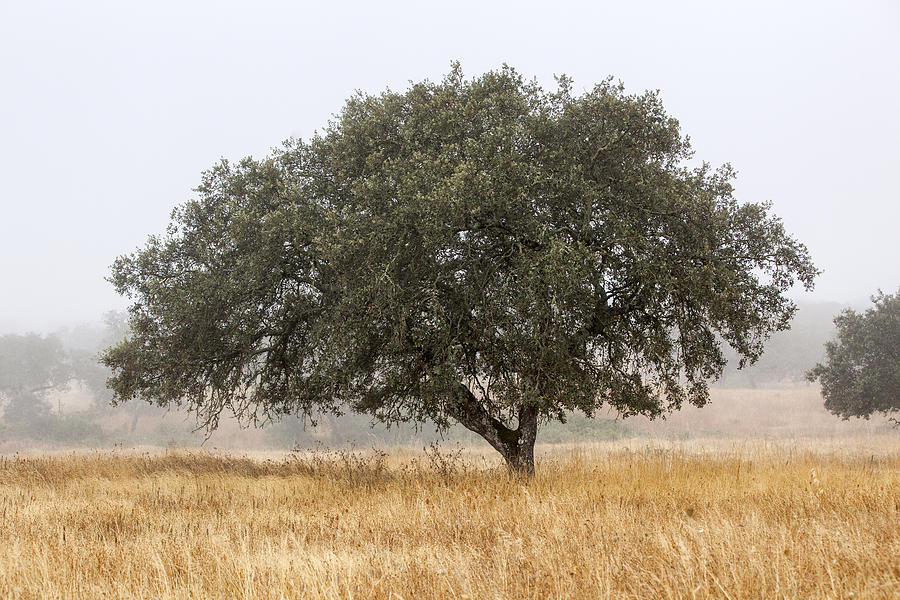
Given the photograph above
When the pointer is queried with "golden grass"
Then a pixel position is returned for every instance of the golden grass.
(635, 520)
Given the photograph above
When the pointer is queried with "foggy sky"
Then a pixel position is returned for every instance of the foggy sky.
(109, 111)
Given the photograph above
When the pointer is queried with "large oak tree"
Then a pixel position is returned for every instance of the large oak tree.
(476, 251)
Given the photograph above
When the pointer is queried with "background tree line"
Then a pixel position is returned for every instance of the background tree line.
(40, 375)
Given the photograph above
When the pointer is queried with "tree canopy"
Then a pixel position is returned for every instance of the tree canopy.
(474, 250)
(861, 373)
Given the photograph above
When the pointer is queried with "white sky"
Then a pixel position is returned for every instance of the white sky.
(109, 111)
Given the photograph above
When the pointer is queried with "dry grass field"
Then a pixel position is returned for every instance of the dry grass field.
(627, 519)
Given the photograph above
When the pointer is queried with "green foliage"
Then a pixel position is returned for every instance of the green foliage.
(26, 411)
(32, 363)
(480, 251)
(578, 428)
(861, 373)
(30, 366)
(76, 429)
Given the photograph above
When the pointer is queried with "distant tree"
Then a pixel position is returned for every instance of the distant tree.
(85, 345)
(861, 373)
(87, 366)
(479, 251)
(30, 366)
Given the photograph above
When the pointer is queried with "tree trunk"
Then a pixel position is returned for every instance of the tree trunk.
(522, 459)
(515, 445)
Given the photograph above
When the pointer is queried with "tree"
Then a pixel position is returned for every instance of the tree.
(30, 366)
(480, 251)
(861, 374)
